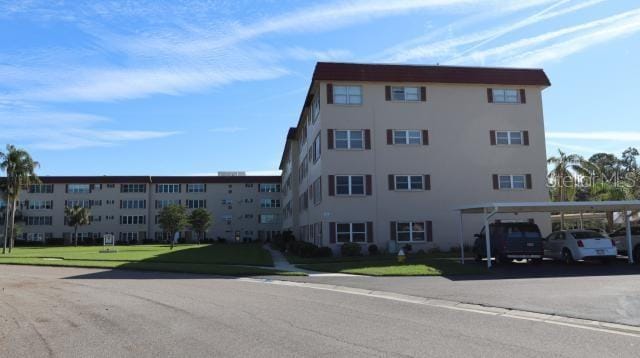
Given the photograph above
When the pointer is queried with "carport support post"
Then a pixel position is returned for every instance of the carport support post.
(461, 238)
(487, 237)
(627, 217)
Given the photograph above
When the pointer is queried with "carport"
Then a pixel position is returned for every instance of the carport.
(488, 210)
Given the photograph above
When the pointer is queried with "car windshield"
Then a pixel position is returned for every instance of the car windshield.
(586, 235)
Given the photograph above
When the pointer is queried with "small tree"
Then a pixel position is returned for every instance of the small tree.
(76, 217)
(173, 219)
(200, 221)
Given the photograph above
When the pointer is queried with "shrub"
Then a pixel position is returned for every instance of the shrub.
(324, 252)
(281, 242)
(222, 240)
(435, 250)
(373, 249)
(350, 249)
(421, 252)
(407, 248)
(302, 249)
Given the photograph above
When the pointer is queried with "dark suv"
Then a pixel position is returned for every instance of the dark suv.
(511, 241)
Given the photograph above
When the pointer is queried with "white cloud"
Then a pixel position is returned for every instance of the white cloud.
(614, 136)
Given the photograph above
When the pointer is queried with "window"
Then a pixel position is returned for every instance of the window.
(35, 236)
(161, 204)
(80, 203)
(347, 94)
(348, 139)
(269, 188)
(39, 204)
(269, 218)
(505, 96)
(512, 182)
(78, 188)
(351, 232)
(270, 203)
(407, 137)
(409, 182)
(315, 108)
(350, 184)
(196, 204)
(410, 231)
(509, 137)
(111, 186)
(196, 188)
(41, 188)
(133, 188)
(133, 204)
(167, 188)
(316, 148)
(37, 220)
(128, 236)
(408, 94)
(317, 191)
(132, 219)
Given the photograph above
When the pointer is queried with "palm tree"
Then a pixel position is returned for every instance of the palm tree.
(20, 169)
(76, 216)
(565, 168)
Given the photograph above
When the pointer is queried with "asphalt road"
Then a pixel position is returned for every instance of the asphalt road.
(68, 312)
(609, 293)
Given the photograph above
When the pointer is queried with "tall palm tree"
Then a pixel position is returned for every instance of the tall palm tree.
(20, 169)
(565, 168)
(76, 216)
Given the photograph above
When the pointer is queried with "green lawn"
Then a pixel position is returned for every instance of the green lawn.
(419, 266)
(219, 259)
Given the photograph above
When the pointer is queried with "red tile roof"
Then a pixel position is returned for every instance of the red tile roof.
(331, 71)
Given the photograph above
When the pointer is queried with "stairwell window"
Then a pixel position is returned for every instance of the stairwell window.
(512, 182)
(505, 95)
(407, 94)
(349, 139)
(407, 137)
(349, 184)
(347, 95)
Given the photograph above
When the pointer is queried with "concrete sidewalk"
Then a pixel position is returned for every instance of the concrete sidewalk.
(280, 262)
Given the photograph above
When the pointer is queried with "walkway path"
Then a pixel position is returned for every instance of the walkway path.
(281, 263)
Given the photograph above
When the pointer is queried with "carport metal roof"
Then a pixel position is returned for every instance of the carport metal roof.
(490, 209)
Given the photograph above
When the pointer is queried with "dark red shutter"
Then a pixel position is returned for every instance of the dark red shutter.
(330, 138)
(332, 232)
(425, 137)
(525, 137)
(429, 228)
(496, 184)
(427, 182)
(529, 183)
(367, 139)
(368, 183)
(423, 94)
(392, 225)
(332, 185)
(389, 136)
(369, 231)
(492, 135)
(392, 182)
(523, 97)
(329, 93)
(387, 93)
(489, 95)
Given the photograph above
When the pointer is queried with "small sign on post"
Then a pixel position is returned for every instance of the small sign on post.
(109, 243)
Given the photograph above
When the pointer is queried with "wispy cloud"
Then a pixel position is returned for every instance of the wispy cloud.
(614, 136)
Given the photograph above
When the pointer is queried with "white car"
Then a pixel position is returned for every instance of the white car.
(620, 236)
(571, 245)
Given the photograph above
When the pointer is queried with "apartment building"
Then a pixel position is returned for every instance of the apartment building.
(242, 207)
(384, 153)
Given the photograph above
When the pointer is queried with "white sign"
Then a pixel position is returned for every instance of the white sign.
(108, 239)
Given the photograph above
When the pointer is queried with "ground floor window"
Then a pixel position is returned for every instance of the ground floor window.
(351, 232)
(410, 231)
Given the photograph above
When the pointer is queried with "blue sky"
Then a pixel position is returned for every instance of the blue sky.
(193, 87)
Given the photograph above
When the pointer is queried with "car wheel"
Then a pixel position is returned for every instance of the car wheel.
(606, 261)
(502, 259)
(567, 257)
(536, 261)
(636, 254)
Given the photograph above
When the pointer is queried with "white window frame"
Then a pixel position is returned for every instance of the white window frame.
(410, 182)
(38, 204)
(512, 181)
(506, 95)
(268, 203)
(275, 218)
(350, 183)
(403, 91)
(351, 232)
(132, 220)
(315, 108)
(78, 188)
(269, 188)
(196, 188)
(407, 136)
(349, 139)
(133, 188)
(163, 203)
(411, 231)
(196, 204)
(509, 137)
(349, 95)
(134, 204)
(168, 188)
